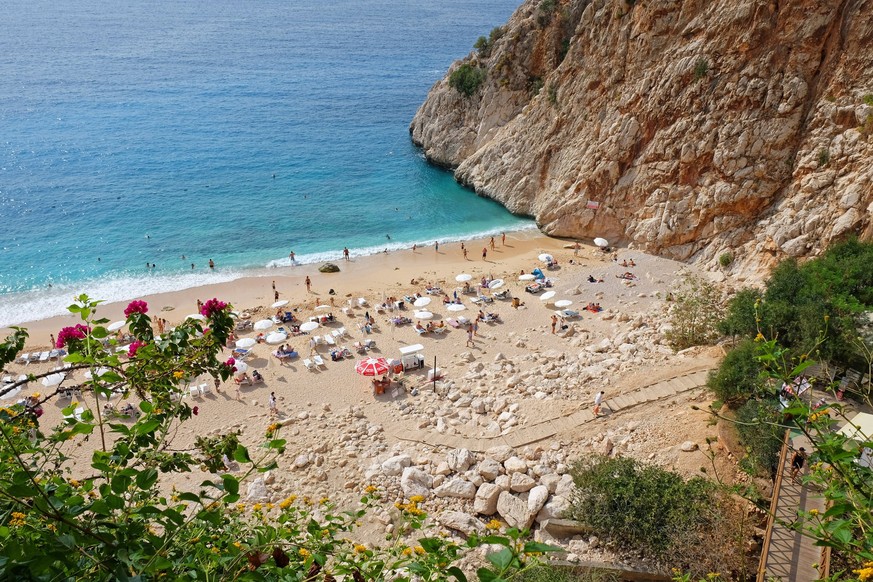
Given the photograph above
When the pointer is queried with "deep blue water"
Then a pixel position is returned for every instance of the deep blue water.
(139, 132)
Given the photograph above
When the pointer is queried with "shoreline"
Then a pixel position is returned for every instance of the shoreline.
(374, 274)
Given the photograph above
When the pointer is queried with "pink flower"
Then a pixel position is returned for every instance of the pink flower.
(136, 306)
(212, 307)
(131, 350)
(231, 363)
(72, 333)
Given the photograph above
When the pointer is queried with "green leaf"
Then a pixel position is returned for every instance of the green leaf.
(431, 545)
(146, 478)
(456, 572)
(486, 575)
(146, 406)
(146, 427)
(120, 483)
(241, 455)
(531, 547)
(276, 444)
(231, 484)
(501, 559)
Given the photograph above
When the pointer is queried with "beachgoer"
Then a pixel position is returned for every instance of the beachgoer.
(414, 246)
(503, 238)
(462, 245)
(476, 327)
(388, 236)
(491, 243)
(308, 284)
(576, 248)
(436, 246)
(470, 342)
(312, 346)
(465, 253)
(272, 403)
(275, 295)
(192, 266)
(211, 264)
(291, 257)
(218, 384)
(346, 253)
(598, 399)
(797, 462)
(52, 339)
(554, 322)
(274, 285)
(484, 253)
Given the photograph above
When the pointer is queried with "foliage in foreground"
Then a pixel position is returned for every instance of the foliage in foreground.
(688, 524)
(740, 375)
(111, 519)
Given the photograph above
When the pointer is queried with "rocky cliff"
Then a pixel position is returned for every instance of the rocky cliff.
(695, 127)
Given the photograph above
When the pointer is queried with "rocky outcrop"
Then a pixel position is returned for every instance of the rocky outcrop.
(693, 127)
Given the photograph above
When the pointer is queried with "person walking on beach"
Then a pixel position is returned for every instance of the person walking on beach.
(463, 250)
(211, 264)
(291, 257)
(308, 284)
(476, 326)
(598, 400)
(576, 248)
(312, 346)
(503, 238)
(491, 243)
(554, 323)
(273, 410)
(275, 295)
(414, 246)
(470, 342)
(484, 253)
(346, 253)
(274, 285)
(436, 246)
(797, 463)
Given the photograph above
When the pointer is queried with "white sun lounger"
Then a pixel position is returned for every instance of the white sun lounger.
(319, 361)
(205, 389)
(328, 339)
(25, 358)
(341, 332)
(44, 357)
(194, 391)
(308, 363)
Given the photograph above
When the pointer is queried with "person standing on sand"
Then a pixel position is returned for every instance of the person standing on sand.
(491, 243)
(470, 342)
(554, 323)
(274, 285)
(275, 295)
(465, 253)
(308, 284)
(476, 326)
(414, 246)
(211, 264)
(272, 403)
(436, 246)
(346, 253)
(598, 400)
(576, 248)
(484, 253)
(52, 340)
(312, 346)
(291, 257)
(503, 238)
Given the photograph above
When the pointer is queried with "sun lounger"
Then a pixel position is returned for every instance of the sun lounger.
(328, 339)
(443, 329)
(433, 290)
(44, 356)
(308, 363)
(420, 330)
(205, 388)
(319, 361)
(240, 353)
(453, 322)
(502, 294)
(341, 332)
(194, 391)
(25, 358)
(567, 313)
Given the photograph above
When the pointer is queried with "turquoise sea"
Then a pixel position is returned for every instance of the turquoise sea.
(142, 132)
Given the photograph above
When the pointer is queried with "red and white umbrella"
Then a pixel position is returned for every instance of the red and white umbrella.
(372, 367)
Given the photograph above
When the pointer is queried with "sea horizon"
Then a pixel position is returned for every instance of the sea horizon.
(211, 131)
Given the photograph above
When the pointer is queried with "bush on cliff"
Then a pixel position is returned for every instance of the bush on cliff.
(467, 79)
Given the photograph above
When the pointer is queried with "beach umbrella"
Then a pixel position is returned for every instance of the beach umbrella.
(309, 326)
(496, 284)
(547, 295)
(241, 368)
(116, 325)
(197, 316)
(10, 395)
(546, 258)
(245, 343)
(372, 366)
(422, 302)
(601, 242)
(280, 303)
(275, 338)
(423, 315)
(455, 307)
(527, 277)
(263, 324)
(463, 277)
(53, 379)
(563, 303)
(322, 307)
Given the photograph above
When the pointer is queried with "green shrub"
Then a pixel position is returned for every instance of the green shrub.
(868, 99)
(741, 314)
(656, 513)
(824, 157)
(467, 79)
(553, 94)
(725, 259)
(535, 85)
(546, 11)
(760, 435)
(701, 68)
(695, 313)
(738, 378)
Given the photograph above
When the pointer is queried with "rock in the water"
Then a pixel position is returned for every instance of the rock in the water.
(328, 268)
(486, 499)
(414, 481)
(460, 521)
(457, 488)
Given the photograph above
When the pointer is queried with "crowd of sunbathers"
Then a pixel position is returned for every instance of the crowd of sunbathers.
(594, 307)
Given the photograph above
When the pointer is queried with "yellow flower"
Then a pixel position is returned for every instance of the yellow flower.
(18, 519)
(323, 500)
(370, 488)
(759, 337)
(178, 374)
(237, 545)
(257, 507)
(416, 499)
(240, 506)
(304, 553)
(407, 551)
(865, 573)
(215, 550)
(813, 511)
(286, 503)
(360, 548)
(494, 524)
(74, 483)
(419, 550)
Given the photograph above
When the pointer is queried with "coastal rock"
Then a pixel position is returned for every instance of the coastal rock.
(519, 482)
(414, 481)
(536, 499)
(489, 469)
(460, 521)
(257, 491)
(485, 502)
(395, 465)
(514, 511)
(329, 268)
(460, 460)
(688, 446)
(457, 488)
(515, 465)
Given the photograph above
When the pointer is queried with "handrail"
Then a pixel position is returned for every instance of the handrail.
(774, 503)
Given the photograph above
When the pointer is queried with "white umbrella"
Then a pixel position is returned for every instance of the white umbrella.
(10, 395)
(463, 277)
(423, 315)
(323, 307)
(547, 295)
(263, 324)
(245, 343)
(276, 338)
(526, 277)
(455, 307)
(546, 258)
(241, 367)
(563, 303)
(496, 284)
(197, 316)
(53, 379)
(309, 326)
(280, 303)
(116, 325)
(422, 302)
(601, 242)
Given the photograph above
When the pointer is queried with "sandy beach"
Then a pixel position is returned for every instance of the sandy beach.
(514, 376)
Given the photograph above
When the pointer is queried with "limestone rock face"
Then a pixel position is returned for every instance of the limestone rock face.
(697, 127)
